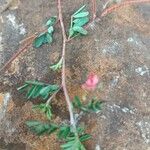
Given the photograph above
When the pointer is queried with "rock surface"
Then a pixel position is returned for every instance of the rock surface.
(117, 49)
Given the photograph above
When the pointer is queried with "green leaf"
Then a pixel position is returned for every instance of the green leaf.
(40, 106)
(52, 128)
(81, 14)
(71, 32)
(85, 137)
(57, 66)
(36, 88)
(48, 90)
(31, 88)
(46, 37)
(31, 91)
(80, 130)
(39, 40)
(77, 102)
(51, 21)
(80, 30)
(32, 123)
(40, 128)
(73, 144)
(81, 22)
(37, 91)
(36, 127)
(64, 131)
(50, 29)
(93, 106)
(48, 113)
(49, 38)
(73, 140)
(79, 10)
(22, 87)
(46, 109)
(35, 82)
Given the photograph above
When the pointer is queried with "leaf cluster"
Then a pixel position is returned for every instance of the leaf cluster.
(57, 66)
(93, 106)
(73, 143)
(78, 20)
(46, 37)
(44, 108)
(72, 140)
(35, 89)
(40, 128)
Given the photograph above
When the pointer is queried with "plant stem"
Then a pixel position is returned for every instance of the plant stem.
(71, 21)
(94, 9)
(29, 40)
(25, 48)
(72, 120)
(15, 56)
(123, 4)
(52, 96)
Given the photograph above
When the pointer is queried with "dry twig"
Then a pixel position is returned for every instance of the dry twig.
(23, 49)
(123, 4)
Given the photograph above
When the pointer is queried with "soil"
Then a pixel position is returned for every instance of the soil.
(116, 49)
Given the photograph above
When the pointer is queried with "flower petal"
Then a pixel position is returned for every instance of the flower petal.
(91, 82)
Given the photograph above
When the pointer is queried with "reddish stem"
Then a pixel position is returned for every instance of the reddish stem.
(29, 41)
(123, 4)
(15, 56)
(72, 120)
(94, 9)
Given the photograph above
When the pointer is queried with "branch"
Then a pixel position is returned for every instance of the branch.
(104, 13)
(52, 96)
(94, 9)
(15, 56)
(29, 40)
(72, 120)
(123, 4)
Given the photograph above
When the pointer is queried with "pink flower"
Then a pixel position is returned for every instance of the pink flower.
(91, 82)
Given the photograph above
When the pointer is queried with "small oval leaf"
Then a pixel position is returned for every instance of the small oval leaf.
(51, 21)
(79, 10)
(81, 21)
(50, 29)
(80, 30)
(82, 14)
(71, 32)
(39, 41)
(49, 38)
